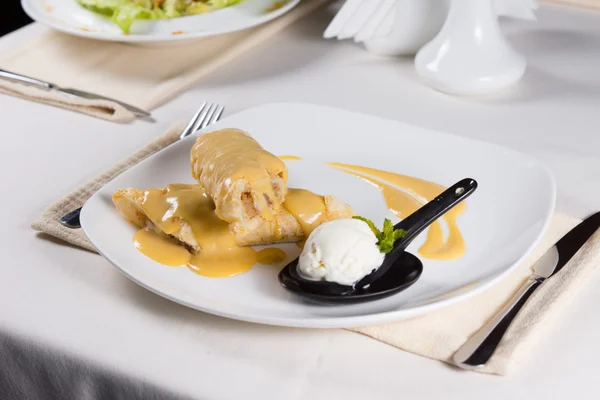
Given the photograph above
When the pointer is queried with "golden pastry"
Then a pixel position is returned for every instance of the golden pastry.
(186, 213)
(241, 200)
(243, 179)
(301, 213)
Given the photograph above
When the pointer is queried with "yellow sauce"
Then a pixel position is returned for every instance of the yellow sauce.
(307, 207)
(177, 206)
(160, 248)
(225, 262)
(404, 195)
(271, 255)
(187, 213)
(286, 158)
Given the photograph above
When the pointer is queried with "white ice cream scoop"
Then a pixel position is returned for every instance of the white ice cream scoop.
(342, 251)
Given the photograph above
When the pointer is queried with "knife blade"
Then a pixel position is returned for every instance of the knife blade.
(570, 244)
(479, 349)
(12, 76)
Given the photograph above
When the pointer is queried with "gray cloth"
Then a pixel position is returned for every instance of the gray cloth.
(29, 371)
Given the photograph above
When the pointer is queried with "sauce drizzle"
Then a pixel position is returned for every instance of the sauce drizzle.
(403, 195)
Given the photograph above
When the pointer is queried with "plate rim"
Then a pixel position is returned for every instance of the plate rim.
(362, 320)
(144, 38)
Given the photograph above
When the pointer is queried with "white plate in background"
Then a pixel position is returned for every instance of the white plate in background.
(69, 17)
(504, 219)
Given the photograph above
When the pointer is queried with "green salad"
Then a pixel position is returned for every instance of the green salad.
(124, 12)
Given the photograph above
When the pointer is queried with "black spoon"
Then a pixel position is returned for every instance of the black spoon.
(385, 280)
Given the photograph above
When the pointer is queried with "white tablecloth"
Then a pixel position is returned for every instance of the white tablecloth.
(77, 304)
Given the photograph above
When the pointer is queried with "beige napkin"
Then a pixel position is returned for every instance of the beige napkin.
(435, 335)
(144, 76)
(48, 221)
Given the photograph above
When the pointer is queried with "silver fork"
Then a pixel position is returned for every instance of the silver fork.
(207, 114)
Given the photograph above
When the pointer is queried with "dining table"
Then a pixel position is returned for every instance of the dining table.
(73, 326)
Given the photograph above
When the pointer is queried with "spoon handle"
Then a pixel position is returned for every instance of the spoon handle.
(416, 222)
(424, 216)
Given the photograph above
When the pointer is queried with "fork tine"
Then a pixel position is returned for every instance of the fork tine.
(217, 114)
(189, 127)
(203, 117)
(209, 115)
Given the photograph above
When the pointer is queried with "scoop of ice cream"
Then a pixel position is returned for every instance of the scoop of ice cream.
(342, 251)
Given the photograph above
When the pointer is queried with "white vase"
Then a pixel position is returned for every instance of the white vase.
(415, 23)
(470, 55)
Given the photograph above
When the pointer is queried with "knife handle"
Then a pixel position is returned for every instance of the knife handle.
(25, 79)
(480, 347)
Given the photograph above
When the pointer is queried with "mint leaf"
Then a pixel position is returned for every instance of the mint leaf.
(388, 228)
(378, 234)
(386, 244)
(385, 238)
(399, 233)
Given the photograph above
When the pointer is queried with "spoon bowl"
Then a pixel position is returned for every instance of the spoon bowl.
(399, 269)
(404, 273)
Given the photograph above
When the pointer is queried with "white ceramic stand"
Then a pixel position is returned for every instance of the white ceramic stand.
(415, 22)
(470, 55)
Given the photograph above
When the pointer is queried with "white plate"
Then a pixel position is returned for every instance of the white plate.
(504, 218)
(69, 17)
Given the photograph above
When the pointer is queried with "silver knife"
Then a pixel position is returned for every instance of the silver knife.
(71, 92)
(476, 352)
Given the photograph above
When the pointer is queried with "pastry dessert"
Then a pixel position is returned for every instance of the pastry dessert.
(181, 212)
(186, 214)
(301, 213)
(241, 200)
(243, 179)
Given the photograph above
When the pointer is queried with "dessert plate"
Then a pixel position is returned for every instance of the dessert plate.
(503, 220)
(69, 17)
